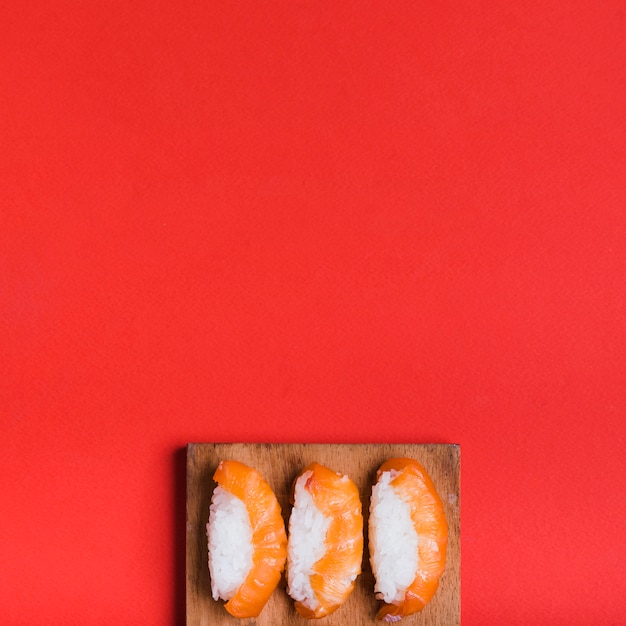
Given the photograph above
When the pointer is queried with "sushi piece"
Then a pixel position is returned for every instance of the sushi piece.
(325, 548)
(408, 537)
(246, 539)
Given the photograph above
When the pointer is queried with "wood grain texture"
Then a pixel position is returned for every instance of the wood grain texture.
(280, 464)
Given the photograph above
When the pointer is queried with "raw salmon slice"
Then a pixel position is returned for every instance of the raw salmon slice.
(408, 537)
(325, 541)
(246, 516)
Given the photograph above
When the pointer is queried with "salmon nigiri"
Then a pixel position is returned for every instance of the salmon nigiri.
(325, 547)
(247, 539)
(408, 537)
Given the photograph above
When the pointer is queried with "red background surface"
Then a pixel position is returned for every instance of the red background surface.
(311, 221)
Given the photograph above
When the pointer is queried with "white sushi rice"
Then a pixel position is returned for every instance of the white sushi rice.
(393, 541)
(229, 535)
(307, 532)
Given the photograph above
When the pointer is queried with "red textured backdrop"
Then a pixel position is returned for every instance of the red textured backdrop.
(311, 221)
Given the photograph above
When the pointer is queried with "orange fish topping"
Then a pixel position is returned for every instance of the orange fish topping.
(414, 486)
(332, 580)
(268, 536)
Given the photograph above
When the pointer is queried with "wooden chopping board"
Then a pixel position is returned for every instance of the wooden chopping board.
(280, 464)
